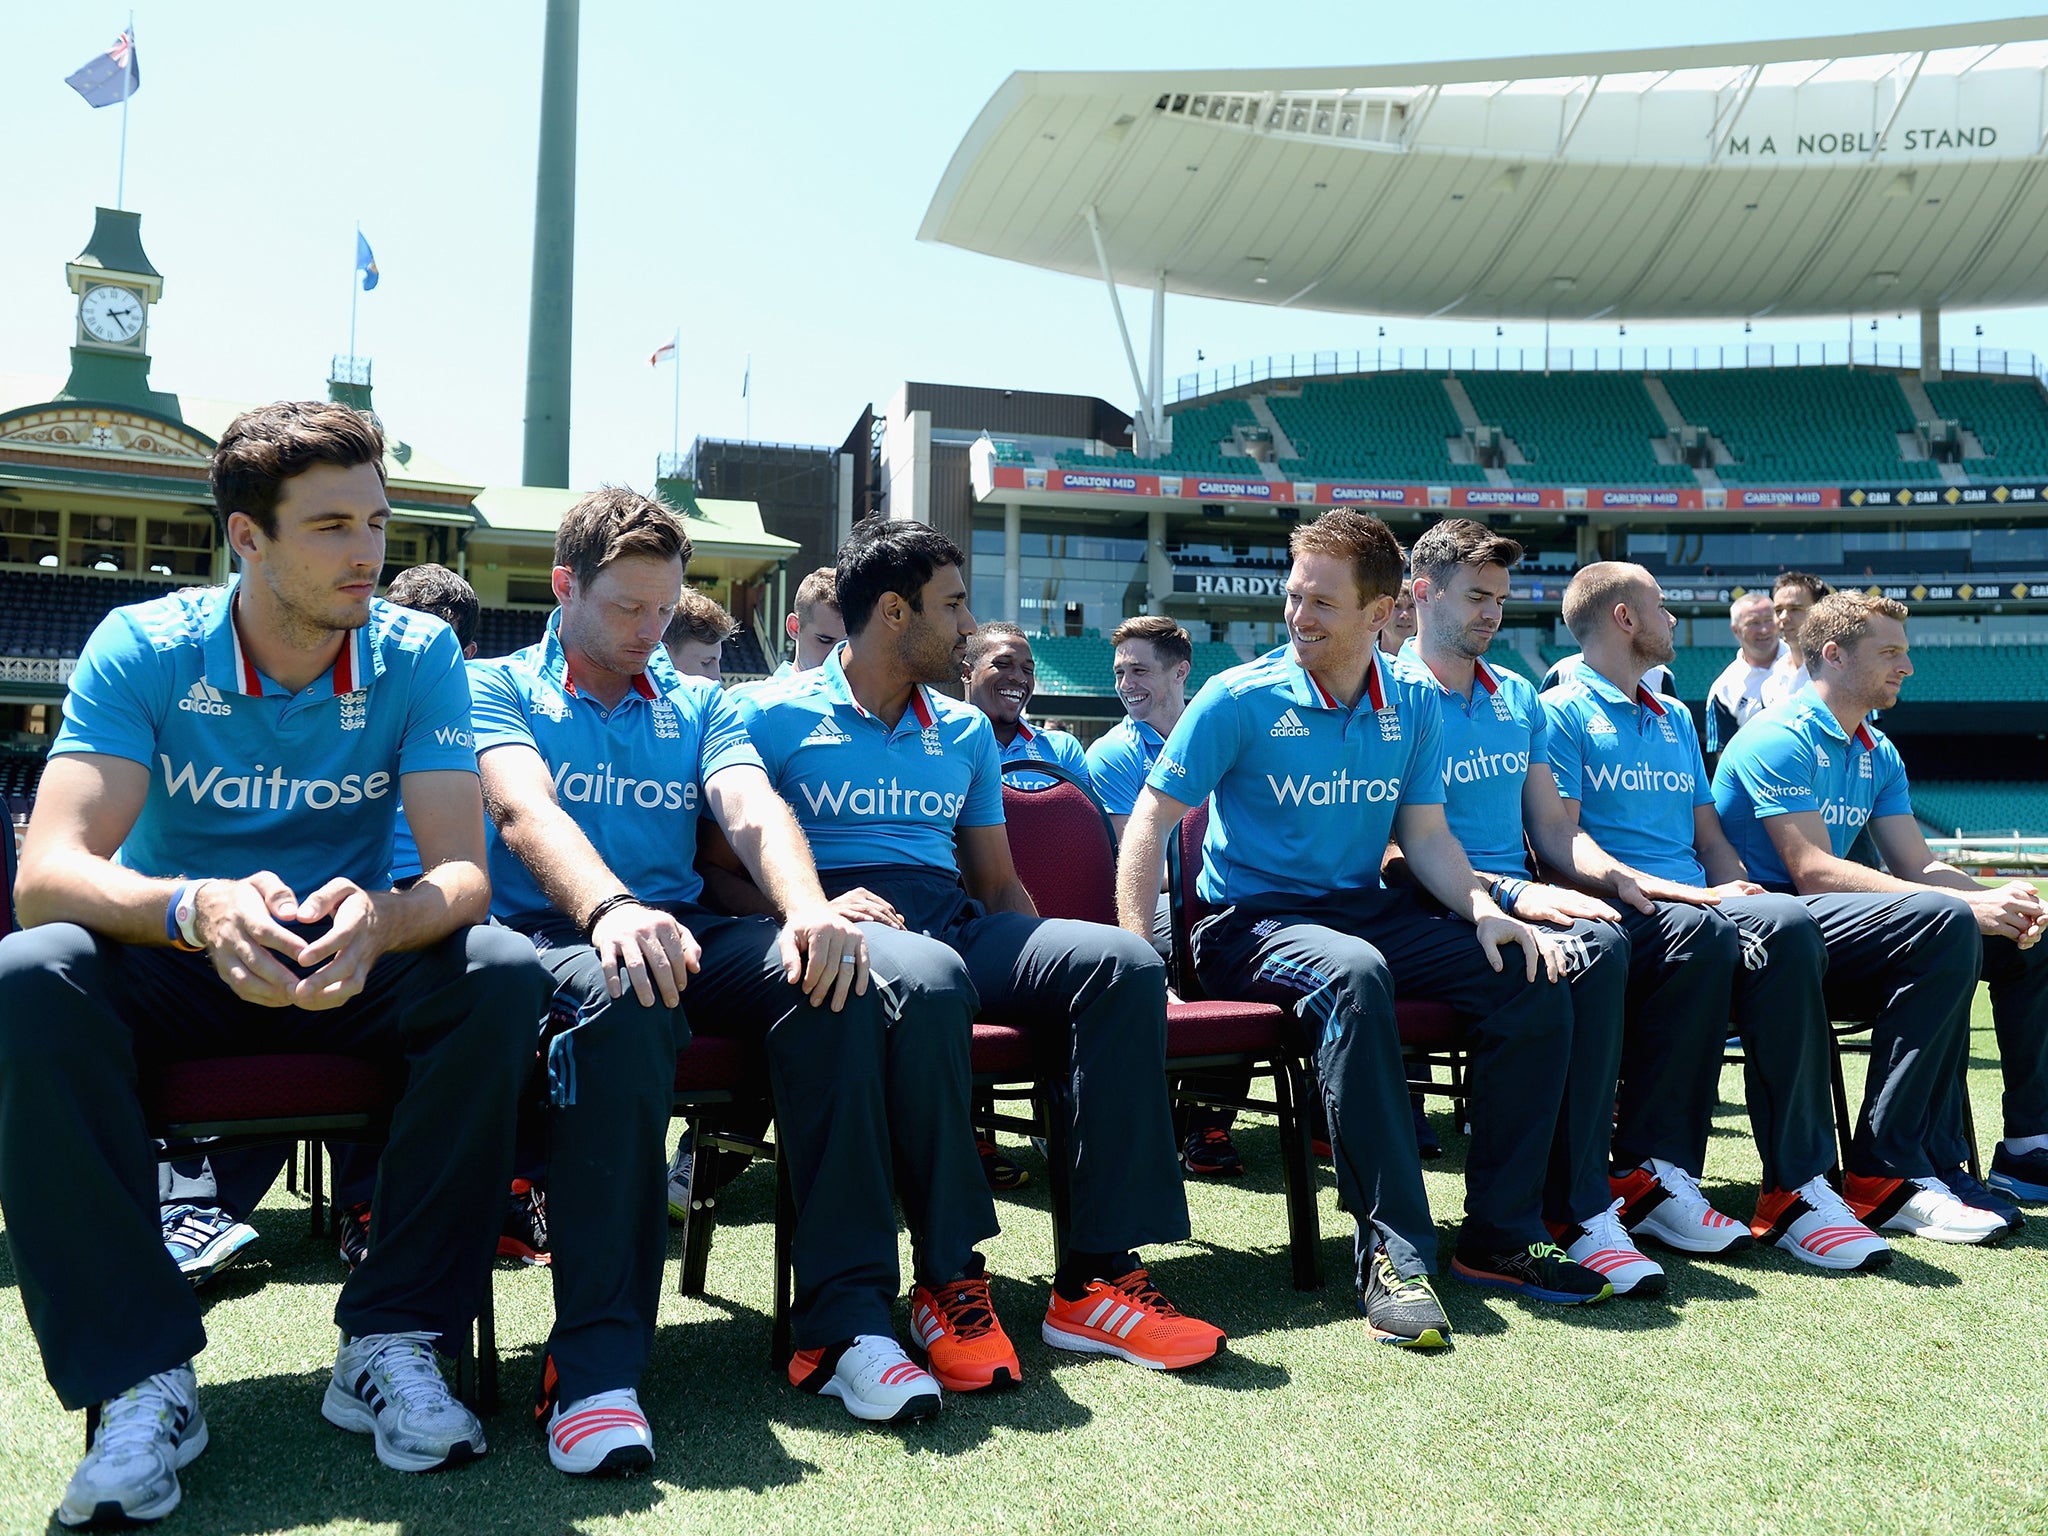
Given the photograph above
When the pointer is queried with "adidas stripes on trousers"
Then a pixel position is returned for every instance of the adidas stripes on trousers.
(884, 1080)
(87, 1018)
(1337, 963)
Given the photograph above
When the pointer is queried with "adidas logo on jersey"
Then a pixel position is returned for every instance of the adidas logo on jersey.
(826, 733)
(1288, 724)
(202, 698)
(1820, 755)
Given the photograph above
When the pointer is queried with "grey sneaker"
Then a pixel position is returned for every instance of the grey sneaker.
(681, 1170)
(145, 1435)
(204, 1239)
(389, 1385)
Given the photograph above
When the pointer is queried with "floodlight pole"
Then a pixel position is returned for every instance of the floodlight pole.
(127, 74)
(1123, 330)
(1158, 399)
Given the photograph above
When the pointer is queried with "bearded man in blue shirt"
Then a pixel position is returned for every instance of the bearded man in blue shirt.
(204, 876)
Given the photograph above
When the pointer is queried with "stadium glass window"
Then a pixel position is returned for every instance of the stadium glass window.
(988, 541)
(28, 535)
(178, 546)
(1938, 538)
(2010, 545)
(100, 541)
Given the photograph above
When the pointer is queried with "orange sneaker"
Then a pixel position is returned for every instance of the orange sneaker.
(962, 1338)
(1129, 1318)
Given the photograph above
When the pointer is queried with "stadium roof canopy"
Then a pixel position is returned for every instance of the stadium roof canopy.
(1889, 170)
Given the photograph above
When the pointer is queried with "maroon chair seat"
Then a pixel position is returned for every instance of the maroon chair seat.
(1003, 1052)
(1426, 1025)
(282, 1087)
(1212, 1028)
(715, 1064)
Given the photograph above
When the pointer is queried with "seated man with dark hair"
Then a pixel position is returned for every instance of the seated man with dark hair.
(899, 790)
(204, 876)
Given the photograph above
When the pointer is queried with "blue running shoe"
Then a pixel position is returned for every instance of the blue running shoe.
(2022, 1175)
(1541, 1272)
(1970, 1192)
(203, 1239)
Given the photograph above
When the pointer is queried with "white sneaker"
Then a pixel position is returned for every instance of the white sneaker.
(390, 1386)
(1815, 1225)
(1930, 1209)
(681, 1164)
(605, 1432)
(131, 1470)
(1663, 1201)
(203, 1239)
(873, 1378)
(1602, 1244)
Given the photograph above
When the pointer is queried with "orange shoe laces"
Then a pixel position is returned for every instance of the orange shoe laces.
(1139, 1287)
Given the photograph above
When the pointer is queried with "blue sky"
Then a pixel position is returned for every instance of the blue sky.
(753, 173)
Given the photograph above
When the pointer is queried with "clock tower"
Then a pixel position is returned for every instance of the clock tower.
(116, 285)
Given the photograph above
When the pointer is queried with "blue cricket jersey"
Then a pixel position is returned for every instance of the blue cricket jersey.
(1303, 790)
(1033, 745)
(1118, 761)
(1795, 757)
(867, 793)
(1635, 768)
(1490, 740)
(631, 777)
(244, 775)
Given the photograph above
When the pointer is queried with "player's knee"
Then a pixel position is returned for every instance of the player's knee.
(43, 972)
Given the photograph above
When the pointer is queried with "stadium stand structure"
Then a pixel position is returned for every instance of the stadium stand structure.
(1803, 424)
(2001, 806)
(1084, 664)
(2008, 418)
(50, 614)
(1383, 426)
(1577, 428)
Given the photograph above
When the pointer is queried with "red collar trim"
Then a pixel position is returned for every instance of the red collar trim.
(250, 680)
(1648, 699)
(641, 685)
(925, 718)
(347, 671)
(1484, 674)
(1864, 739)
(1375, 690)
(1024, 730)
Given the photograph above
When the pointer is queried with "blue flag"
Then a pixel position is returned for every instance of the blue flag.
(366, 263)
(110, 77)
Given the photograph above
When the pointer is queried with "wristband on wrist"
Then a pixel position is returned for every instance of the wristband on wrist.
(181, 918)
(1506, 891)
(609, 904)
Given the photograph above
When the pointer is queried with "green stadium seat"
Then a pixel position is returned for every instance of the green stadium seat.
(1383, 426)
(1577, 428)
(2000, 807)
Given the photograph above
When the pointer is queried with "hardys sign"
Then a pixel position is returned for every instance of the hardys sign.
(1270, 586)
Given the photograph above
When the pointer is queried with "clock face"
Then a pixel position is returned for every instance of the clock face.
(111, 314)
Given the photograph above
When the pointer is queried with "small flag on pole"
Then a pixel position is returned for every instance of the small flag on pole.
(661, 354)
(366, 263)
(109, 78)
(747, 379)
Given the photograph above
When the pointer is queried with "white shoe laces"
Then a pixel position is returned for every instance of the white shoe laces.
(1684, 1188)
(405, 1362)
(1606, 1229)
(1826, 1202)
(618, 1397)
(133, 1422)
(871, 1354)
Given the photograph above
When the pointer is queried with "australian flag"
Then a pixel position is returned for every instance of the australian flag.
(108, 78)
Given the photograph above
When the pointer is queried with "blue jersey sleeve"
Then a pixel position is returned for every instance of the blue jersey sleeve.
(983, 806)
(1539, 730)
(437, 723)
(1774, 767)
(1202, 749)
(1702, 786)
(497, 708)
(116, 696)
(1894, 797)
(1423, 783)
(726, 743)
(1117, 770)
(1068, 753)
(1567, 753)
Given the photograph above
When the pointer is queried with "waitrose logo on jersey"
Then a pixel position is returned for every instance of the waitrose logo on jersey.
(276, 790)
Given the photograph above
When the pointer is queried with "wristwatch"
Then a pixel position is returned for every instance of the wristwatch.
(185, 913)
